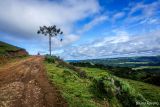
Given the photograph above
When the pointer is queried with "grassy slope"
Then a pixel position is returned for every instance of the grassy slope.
(95, 72)
(150, 92)
(98, 73)
(77, 91)
(74, 89)
(4, 47)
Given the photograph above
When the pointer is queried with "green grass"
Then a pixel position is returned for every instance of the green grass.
(4, 47)
(95, 72)
(74, 89)
(150, 92)
(98, 87)
(9, 52)
(110, 85)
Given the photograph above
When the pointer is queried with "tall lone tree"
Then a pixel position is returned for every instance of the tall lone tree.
(50, 31)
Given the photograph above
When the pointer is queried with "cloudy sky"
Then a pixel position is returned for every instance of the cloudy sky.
(92, 28)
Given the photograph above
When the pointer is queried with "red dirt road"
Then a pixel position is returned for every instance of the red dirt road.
(25, 84)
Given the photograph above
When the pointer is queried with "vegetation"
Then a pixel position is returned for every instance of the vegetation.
(5, 48)
(74, 89)
(147, 67)
(116, 90)
(96, 88)
(147, 75)
(8, 52)
(51, 59)
(131, 62)
(149, 91)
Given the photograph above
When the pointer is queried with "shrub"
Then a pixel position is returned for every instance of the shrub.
(128, 96)
(67, 72)
(98, 88)
(110, 88)
(50, 59)
(80, 73)
(113, 88)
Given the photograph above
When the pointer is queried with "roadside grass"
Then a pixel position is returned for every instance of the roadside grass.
(10, 60)
(74, 89)
(97, 89)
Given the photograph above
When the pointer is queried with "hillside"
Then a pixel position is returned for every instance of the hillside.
(8, 51)
(95, 87)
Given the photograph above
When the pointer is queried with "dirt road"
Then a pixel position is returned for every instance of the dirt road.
(24, 84)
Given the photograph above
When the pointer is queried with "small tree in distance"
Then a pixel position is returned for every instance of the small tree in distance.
(50, 31)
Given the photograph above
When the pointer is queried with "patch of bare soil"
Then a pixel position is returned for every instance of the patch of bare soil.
(25, 84)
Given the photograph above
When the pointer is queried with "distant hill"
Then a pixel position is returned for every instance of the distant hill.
(10, 51)
(72, 60)
(127, 61)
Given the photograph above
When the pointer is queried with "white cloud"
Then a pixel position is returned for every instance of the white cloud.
(67, 39)
(97, 20)
(126, 42)
(20, 20)
(147, 11)
(118, 15)
(23, 17)
(122, 44)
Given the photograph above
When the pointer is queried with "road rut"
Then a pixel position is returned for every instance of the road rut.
(25, 84)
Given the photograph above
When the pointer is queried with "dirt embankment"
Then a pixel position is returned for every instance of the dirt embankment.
(20, 52)
(25, 84)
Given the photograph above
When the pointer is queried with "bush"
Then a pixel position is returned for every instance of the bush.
(50, 59)
(111, 88)
(80, 73)
(98, 88)
(128, 96)
(67, 72)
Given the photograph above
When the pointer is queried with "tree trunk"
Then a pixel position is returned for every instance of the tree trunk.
(50, 45)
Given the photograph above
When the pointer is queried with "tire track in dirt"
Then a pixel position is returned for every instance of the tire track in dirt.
(25, 84)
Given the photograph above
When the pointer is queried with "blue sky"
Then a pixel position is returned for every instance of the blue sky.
(92, 28)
